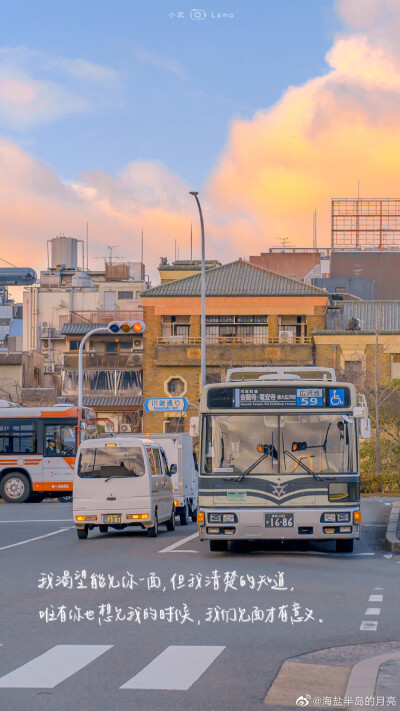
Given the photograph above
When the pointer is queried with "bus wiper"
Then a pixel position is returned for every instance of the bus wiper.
(269, 449)
(308, 470)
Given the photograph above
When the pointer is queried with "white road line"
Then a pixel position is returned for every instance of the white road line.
(176, 668)
(179, 543)
(369, 626)
(375, 598)
(40, 520)
(37, 538)
(53, 667)
(372, 611)
(378, 588)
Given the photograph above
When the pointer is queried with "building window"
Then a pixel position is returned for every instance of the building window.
(125, 295)
(74, 345)
(111, 347)
(174, 425)
(176, 386)
(176, 328)
(395, 366)
(340, 289)
(253, 329)
(292, 329)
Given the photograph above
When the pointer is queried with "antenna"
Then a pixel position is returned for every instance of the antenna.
(142, 248)
(175, 250)
(87, 246)
(110, 250)
(191, 242)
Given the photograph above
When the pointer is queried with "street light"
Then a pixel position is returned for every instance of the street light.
(114, 327)
(203, 296)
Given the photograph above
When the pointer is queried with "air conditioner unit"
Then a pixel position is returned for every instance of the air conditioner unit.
(286, 336)
(126, 428)
(138, 344)
(45, 324)
(135, 359)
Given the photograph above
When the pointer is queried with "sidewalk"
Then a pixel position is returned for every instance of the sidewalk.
(392, 539)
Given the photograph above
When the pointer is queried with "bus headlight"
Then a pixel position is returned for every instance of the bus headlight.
(331, 517)
(343, 516)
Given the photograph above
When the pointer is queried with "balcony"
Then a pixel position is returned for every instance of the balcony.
(104, 316)
(109, 361)
(231, 351)
(234, 340)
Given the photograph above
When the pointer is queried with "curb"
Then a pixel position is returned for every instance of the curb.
(392, 542)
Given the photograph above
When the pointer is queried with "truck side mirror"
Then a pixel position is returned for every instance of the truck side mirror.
(173, 469)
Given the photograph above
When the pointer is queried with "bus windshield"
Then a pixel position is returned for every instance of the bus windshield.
(102, 462)
(279, 444)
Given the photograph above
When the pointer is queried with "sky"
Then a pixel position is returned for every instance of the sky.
(110, 113)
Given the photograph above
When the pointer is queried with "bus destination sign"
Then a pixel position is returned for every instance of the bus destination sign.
(277, 397)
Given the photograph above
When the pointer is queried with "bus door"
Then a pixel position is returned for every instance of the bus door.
(59, 451)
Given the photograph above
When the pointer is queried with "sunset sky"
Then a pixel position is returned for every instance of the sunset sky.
(111, 112)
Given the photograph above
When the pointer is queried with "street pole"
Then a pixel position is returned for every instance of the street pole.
(203, 296)
(80, 360)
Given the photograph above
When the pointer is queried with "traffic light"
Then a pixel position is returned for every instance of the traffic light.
(127, 327)
(299, 446)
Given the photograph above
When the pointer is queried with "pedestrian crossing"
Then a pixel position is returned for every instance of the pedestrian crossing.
(177, 668)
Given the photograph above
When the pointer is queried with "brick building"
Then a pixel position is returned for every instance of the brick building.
(253, 317)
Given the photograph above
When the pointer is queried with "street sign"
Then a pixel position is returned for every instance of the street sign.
(166, 404)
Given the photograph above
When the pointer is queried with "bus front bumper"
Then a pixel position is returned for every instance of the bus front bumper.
(274, 524)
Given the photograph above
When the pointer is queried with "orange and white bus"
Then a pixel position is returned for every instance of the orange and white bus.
(37, 450)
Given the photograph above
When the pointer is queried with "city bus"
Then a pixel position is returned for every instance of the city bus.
(37, 450)
(279, 457)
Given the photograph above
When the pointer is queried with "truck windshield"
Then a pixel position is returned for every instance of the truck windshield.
(104, 462)
(284, 444)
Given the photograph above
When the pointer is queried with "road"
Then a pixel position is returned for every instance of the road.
(116, 657)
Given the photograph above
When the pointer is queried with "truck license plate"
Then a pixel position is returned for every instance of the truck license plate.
(111, 518)
(279, 520)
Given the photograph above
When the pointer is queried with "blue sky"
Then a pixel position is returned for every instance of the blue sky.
(170, 86)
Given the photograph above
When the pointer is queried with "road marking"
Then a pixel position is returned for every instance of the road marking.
(387, 555)
(53, 667)
(369, 626)
(372, 611)
(37, 538)
(40, 520)
(364, 674)
(375, 598)
(378, 588)
(175, 669)
(179, 543)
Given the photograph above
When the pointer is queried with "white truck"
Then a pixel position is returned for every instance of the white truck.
(179, 450)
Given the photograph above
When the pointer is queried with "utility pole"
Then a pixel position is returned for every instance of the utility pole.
(203, 295)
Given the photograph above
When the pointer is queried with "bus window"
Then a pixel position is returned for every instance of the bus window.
(17, 438)
(59, 441)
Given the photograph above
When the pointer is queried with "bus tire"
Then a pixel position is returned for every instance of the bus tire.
(171, 521)
(184, 516)
(15, 488)
(82, 533)
(153, 530)
(344, 546)
(218, 546)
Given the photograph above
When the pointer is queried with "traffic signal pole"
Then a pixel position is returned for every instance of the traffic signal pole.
(80, 360)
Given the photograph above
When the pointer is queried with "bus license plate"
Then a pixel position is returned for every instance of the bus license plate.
(279, 520)
(111, 518)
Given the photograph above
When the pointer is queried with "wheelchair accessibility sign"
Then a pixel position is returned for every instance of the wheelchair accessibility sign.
(336, 397)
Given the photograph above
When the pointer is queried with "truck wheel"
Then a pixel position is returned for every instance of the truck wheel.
(171, 521)
(344, 546)
(82, 533)
(194, 515)
(15, 488)
(153, 531)
(184, 516)
(218, 546)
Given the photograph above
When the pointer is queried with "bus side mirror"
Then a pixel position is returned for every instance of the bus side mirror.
(365, 428)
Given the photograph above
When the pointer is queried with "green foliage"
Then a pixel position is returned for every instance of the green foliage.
(388, 482)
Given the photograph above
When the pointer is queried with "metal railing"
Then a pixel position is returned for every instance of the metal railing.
(233, 340)
(105, 316)
(109, 361)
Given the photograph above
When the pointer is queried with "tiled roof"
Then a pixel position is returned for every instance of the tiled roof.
(384, 315)
(238, 278)
(79, 329)
(133, 401)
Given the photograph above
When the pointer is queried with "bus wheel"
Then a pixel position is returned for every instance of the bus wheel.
(184, 516)
(82, 533)
(15, 488)
(153, 531)
(218, 546)
(344, 546)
